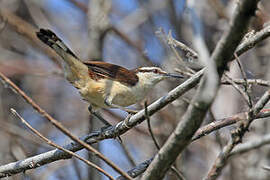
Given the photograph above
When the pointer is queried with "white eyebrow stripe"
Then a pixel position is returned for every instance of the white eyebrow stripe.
(148, 68)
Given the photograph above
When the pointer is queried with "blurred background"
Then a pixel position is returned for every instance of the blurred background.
(130, 33)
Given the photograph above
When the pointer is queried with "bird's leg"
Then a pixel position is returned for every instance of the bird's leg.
(111, 105)
(104, 121)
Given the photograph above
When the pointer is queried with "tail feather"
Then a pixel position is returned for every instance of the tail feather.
(50, 38)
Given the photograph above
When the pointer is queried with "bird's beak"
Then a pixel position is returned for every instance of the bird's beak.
(173, 75)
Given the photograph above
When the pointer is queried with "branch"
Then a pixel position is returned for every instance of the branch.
(59, 147)
(98, 26)
(206, 92)
(209, 128)
(251, 145)
(121, 34)
(55, 155)
(110, 132)
(28, 31)
(240, 90)
(58, 125)
(223, 52)
(173, 168)
(183, 133)
(136, 171)
(237, 136)
(249, 81)
(251, 41)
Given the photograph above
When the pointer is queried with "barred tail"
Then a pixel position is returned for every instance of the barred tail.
(74, 69)
(48, 37)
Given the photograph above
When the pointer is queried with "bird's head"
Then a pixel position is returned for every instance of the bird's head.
(153, 75)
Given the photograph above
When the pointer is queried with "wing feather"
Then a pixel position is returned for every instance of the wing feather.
(112, 71)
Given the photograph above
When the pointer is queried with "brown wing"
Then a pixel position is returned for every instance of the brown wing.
(111, 71)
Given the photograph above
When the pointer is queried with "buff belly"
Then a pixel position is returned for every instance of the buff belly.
(96, 93)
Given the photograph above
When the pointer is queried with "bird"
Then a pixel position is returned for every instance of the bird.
(102, 84)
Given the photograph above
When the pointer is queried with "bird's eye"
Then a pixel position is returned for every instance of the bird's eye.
(155, 71)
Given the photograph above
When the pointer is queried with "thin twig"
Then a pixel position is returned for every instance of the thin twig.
(135, 45)
(128, 154)
(246, 86)
(189, 53)
(267, 168)
(80, 5)
(149, 126)
(28, 31)
(207, 129)
(173, 168)
(110, 132)
(249, 81)
(54, 155)
(239, 89)
(244, 11)
(178, 174)
(16, 131)
(14, 112)
(59, 125)
(77, 168)
(237, 136)
(217, 133)
(251, 145)
(136, 171)
(47, 157)
(183, 72)
(205, 94)
(251, 41)
(212, 127)
(99, 117)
